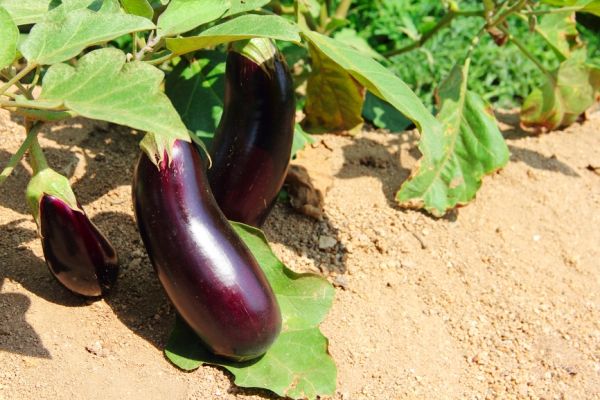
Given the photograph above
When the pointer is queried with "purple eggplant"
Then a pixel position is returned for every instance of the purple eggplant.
(252, 145)
(77, 254)
(208, 273)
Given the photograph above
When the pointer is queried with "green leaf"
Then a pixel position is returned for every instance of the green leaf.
(196, 90)
(378, 80)
(104, 87)
(301, 139)
(24, 12)
(243, 27)
(10, 37)
(351, 38)
(566, 94)
(334, 99)
(140, 8)
(557, 29)
(590, 6)
(454, 163)
(242, 6)
(64, 36)
(298, 364)
(185, 15)
(381, 114)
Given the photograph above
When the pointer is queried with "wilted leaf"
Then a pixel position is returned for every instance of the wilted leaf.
(138, 7)
(557, 29)
(382, 115)
(243, 27)
(566, 94)
(104, 87)
(333, 98)
(378, 80)
(297, 365)
(65, 35)
(185, 15)
(454, 163)
(10, 37)
(196, 90)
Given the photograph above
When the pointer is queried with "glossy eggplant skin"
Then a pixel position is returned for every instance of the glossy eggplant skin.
(76, 252)
(252, 145)
(208, 273)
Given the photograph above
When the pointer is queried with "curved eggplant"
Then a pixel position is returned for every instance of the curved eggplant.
(76, 253)
(252, 145)
(208, 273)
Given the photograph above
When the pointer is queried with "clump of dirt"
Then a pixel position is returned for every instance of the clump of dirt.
(500, 299)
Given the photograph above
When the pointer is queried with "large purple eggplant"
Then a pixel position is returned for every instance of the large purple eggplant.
(77, 254)
(209, 274)
(252, 145)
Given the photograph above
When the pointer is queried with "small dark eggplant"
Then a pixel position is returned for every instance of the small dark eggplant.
(253, 142)
(208, 273)
(77, 254)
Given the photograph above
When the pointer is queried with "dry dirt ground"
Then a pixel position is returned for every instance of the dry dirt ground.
(500, 300)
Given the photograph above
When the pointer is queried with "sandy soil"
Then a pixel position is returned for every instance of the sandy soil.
(500, 300)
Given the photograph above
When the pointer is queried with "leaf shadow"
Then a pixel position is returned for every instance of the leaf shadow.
(385, 162)
(137, 298)
(107, 152)
(539, 161)
(23, 266)
(301, 235)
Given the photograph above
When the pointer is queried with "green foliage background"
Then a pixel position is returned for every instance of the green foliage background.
(501, 75)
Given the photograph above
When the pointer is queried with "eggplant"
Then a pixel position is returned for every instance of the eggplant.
(208, 273)
(76, 252)
(252, 146)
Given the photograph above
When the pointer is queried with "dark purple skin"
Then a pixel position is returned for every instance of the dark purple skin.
(76, 252)
(252, 146)
(208, 273)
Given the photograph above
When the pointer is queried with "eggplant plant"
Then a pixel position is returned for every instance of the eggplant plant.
(107, 60)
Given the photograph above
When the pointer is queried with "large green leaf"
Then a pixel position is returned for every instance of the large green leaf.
(25, 12)
(10, 37)
(242, 6)
(66, 34)
(566, 94)
(138, 7)
(104, 87)
(378, 80)
(334, 99)
(185, 15)
(557, 29)
(196, 90)
(297, 365)
(590, 6)
(243, 27)
(453, 164)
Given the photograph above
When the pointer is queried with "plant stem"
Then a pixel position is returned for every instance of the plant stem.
(28, 68)
(32, 104)
(526, 52)
(36, 156)
(446, 20)
(343, 8)
(152, 41)
(15, 158)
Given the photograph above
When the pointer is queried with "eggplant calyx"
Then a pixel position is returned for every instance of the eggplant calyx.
(159, 148)
(49, 182)
(261, 51)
